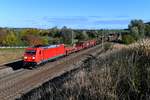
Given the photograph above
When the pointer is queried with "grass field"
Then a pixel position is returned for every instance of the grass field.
(7, 55)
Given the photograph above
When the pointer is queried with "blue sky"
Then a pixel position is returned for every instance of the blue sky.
(91, 14)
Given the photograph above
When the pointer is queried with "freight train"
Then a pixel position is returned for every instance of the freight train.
(37, 55)
(40, 54)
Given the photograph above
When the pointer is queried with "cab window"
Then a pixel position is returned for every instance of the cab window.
(32, 52)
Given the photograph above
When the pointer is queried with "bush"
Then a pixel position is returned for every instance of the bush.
(128, 39)
(107, 46)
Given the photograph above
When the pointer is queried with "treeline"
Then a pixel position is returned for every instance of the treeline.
(32, 36)
(137, 30)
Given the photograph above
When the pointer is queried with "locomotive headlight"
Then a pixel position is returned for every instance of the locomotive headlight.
(33, 57)
(25, 57)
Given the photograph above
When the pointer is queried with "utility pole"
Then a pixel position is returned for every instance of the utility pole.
(72, 34)
(102, 41)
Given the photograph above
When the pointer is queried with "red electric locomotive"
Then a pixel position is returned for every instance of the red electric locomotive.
(39, 54)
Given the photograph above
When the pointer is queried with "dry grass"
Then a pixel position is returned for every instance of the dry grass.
(7, 55)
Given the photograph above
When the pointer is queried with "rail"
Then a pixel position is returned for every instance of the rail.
(12, 47)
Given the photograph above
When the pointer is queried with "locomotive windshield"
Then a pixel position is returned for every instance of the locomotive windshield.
(32, 52)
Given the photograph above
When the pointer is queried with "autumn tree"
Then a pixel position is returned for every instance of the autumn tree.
(10, 39)
(34, 32)
(33, 40)
(3, 34)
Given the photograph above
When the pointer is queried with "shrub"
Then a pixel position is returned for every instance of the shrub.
(128, 39)
(107, 46)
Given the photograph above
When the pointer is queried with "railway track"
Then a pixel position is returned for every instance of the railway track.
(14, 85)
(2, 67)
(5, 65)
